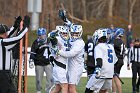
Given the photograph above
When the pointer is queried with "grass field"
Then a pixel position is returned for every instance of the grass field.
(126, 87)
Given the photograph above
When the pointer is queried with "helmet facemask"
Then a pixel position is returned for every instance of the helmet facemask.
(76, 32)
(42, 37)
(63, 32)
(64, 35)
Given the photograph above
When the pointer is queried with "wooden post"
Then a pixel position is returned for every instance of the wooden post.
(25, 65)
(20, 67)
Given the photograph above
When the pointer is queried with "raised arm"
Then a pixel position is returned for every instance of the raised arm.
(11, 42)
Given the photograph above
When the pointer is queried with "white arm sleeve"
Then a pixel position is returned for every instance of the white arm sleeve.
(76, 49)
(98, 53)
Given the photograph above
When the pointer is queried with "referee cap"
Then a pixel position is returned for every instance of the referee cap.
(3, 28)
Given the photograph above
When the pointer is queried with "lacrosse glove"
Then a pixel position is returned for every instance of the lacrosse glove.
(26, 21)
(62, 15)
(98, 72)
(54, 50)
(17, 21)
(31, 63)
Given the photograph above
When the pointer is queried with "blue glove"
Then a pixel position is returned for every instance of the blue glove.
(98, 72)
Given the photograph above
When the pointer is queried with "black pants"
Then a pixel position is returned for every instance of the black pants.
(6, 85)
(135, 70)
(118, 66)
(90, 70)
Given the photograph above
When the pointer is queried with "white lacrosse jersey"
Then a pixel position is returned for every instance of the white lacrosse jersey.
(75, 60)
(107, 54)
(59, 73)
(61, 45)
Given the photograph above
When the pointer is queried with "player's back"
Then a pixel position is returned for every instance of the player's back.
(107, 54)
(119, 48)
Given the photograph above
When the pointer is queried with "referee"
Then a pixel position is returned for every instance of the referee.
(134, 58)
(6, 44)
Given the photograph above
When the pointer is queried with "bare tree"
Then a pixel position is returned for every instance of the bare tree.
(110, 8)
(132, 3)
(71, 8)
(73, 17)
(97, 7)
(51, 13)
(84, 10)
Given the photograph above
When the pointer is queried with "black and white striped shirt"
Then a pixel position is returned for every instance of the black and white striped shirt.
(134, 54)
(5, 49)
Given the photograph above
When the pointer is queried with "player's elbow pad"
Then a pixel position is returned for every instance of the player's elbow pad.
(99, 62)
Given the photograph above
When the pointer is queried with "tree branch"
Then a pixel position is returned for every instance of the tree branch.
(73, 17)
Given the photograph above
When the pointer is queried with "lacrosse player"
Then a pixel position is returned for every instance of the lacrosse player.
(40, 57)
(105, 58)
(120, 52)
(75, 53)
(75, 57)
(60, 62)
(89, 49)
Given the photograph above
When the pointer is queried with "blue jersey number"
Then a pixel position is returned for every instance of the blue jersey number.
(68, 46)
(110, 56)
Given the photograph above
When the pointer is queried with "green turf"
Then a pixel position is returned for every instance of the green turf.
(126, 87)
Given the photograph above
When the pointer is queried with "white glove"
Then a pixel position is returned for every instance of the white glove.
(31, 64)
(98, 72)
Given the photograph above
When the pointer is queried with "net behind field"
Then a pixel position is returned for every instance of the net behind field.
(19, 67)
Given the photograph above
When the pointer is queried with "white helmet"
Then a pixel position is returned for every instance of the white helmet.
(76, 32)
(63, 32)
(101, 33)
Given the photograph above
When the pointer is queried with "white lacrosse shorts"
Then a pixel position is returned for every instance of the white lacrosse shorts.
(59, 75)
(99, 84)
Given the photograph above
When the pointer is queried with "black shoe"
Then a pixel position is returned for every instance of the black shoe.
(137, 89)
(88, 91)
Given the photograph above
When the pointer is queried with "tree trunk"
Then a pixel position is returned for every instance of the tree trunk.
(132, 3)
(71, 8)
(51, 14)
(84, 10)
(110, 8)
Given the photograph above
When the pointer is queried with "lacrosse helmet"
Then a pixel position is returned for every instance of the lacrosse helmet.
(42, 37)
(41, 31)
(101, 34)
(119, 32)
(76, 32)
(63, 32)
